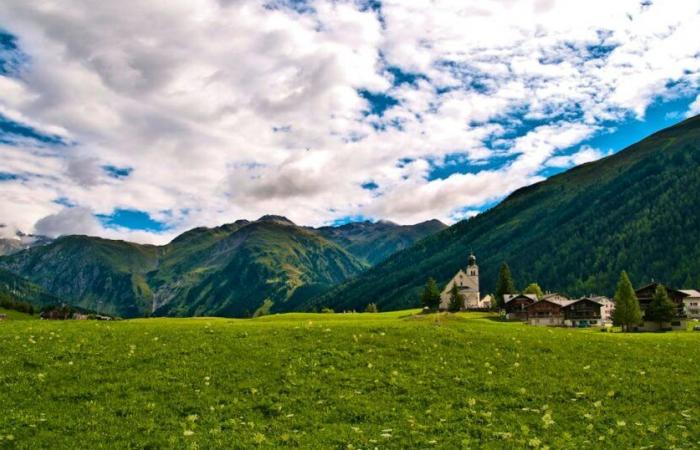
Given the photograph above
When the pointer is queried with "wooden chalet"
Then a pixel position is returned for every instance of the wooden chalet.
(584, 312)
(646, 293)
(546, 312)
(516, 305)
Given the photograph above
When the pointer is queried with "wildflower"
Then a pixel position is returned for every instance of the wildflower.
(621, 423)
(534, 442)
(547, 419)
(188, 433)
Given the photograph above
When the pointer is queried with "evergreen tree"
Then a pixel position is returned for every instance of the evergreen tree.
(661, 309)
(372, 308)
(431, 294)
(505, 284)
(626, 312)
(456, 299)
(534, 288)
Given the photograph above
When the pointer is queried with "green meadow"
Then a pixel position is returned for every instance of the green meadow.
(389, 380)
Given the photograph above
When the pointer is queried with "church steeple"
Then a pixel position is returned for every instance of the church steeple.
(472, 268)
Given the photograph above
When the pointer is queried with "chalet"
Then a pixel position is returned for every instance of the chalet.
(516, 305)
(3, 316)
(555, 296)
(584, 312)
(691, 303)
(546, 312)
(467, 282)
(606, 308)
(646, 293)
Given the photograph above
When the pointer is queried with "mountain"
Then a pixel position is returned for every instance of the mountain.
(16, 288)
(373, 242)
(21, 242)
(637, 210)
(100, 274)
(231, 270)
(270, 263)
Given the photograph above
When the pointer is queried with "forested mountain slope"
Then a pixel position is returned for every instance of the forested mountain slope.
(637, 210)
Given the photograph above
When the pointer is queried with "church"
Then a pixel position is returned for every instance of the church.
(467, 281)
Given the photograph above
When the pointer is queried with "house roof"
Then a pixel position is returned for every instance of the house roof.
(509, 297)
(561, 303)
(596, 298)
(553, 294)
(690, 292)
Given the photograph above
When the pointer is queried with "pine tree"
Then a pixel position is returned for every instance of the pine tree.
(534, 288)
(661, 309)
(430, 297)
(505, 284)
(626, 312)
(456, 299)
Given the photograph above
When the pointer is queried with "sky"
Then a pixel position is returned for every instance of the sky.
(139, 120)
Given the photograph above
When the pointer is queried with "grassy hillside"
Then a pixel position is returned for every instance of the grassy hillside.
(344, 381)
(638, 210)
(373, 242)
(16, 315)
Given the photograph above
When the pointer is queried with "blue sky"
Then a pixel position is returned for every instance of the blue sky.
(322, 111)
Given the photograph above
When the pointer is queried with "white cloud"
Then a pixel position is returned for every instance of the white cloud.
(694, 108)
(227, 109)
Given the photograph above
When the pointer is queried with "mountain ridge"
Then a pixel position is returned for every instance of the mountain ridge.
(128, 279)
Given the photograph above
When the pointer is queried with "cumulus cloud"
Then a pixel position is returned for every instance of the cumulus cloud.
(224, 110)
(76, 220)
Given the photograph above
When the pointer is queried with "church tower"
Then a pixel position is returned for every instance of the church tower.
(473, 271)
(467, 282)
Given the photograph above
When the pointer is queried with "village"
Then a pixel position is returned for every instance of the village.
(558, 310)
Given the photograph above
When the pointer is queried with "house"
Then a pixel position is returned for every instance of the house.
(606, 309)
(584, 312)
(555, 296)
(691, 303)
(516, 305)
(3, 316)
(467, 282)
(646, 293)
(546, 312)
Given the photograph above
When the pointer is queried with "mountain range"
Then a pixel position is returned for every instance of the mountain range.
(238, 269)
(637, 210)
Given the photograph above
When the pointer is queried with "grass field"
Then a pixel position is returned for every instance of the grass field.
(15, 315)
(344, 381)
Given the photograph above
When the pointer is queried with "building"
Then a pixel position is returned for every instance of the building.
(546, 312)
(3, 316)
(557, 297)
(584, 312)
(691, 303)
(516, 305)
(467, 281)
(646, 293)
(606, 309)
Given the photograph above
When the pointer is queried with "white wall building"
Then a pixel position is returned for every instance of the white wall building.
(467, 281)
